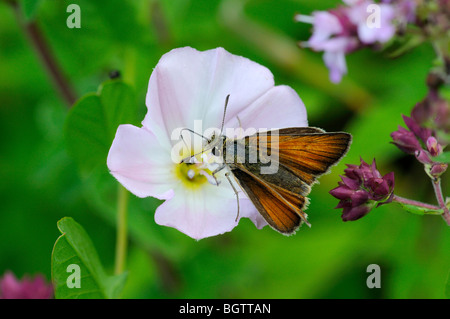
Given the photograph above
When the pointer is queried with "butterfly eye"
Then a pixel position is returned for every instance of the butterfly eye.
(215, 151)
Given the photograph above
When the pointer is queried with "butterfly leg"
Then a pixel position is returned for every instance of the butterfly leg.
(227, 175)
(218, 169)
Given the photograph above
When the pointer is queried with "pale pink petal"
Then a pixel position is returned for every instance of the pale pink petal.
(374, 21)
(206, 212)
(351, 2)
(340, 44)
(189, 85)
(140, 163)
(279, 107)
(325, 25)
(335, 62)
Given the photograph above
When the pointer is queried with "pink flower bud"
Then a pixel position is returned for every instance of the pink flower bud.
(433, 146)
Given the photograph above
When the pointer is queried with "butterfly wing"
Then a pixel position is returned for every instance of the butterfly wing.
(306, 151)
(281, 212)
(303, 155)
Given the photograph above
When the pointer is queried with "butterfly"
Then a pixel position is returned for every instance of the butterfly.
(299, 155)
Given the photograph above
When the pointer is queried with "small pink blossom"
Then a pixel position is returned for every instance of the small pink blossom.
(372, 29)
(27, 288)
(331, 35)
(185, 87)
(349, 27)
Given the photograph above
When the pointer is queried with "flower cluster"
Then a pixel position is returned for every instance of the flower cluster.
(427, 133)
(363, 188)
(357, 24)
(27, 288)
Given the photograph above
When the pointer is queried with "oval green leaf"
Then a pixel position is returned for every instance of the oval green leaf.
(74, 252)
(92, 123)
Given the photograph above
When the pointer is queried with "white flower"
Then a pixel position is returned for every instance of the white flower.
(188, 86)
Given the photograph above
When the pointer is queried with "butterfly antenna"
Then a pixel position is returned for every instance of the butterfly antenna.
(224, 113)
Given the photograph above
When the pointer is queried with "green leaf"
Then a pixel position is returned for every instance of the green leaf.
(74, 247)
(443, 158)
(92, 123)
(420, 210)
(403, 45)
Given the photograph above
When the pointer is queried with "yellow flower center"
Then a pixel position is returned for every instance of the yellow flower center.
(192, 175)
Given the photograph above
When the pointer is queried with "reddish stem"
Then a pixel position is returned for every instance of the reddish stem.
(440, 198)
(42, 49)
(408, 201)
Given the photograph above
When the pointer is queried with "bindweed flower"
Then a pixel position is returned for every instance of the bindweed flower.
(349, 27)
(27, 288)
(187, 90)
(362, 188)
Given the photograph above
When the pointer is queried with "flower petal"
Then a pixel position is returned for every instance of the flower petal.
(354, 213)
(279, 107)
(325, 26)
(140, 163)
(335, 62)
(206, 212)
(189, 85)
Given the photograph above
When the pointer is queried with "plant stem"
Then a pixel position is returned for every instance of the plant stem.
(408, 201)
(43, 51)
(440, 198)
(121, 239)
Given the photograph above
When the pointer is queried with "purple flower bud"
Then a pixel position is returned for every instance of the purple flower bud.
(342, 192)
(359, 197)
(433, 111)
(27, 288)
(352, 183)
(405, 140)
(420, 132)
(423, 157)
(437, 169)
(383, 190)
(361, 189)
(354, 213)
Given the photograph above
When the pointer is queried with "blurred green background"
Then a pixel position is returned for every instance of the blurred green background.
(40, 183)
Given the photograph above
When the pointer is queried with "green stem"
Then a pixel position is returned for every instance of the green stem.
(129, 75)
(122, 235)
(123, 194)
(45, 54)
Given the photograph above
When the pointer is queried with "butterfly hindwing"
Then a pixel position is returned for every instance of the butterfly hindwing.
(281, 213)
